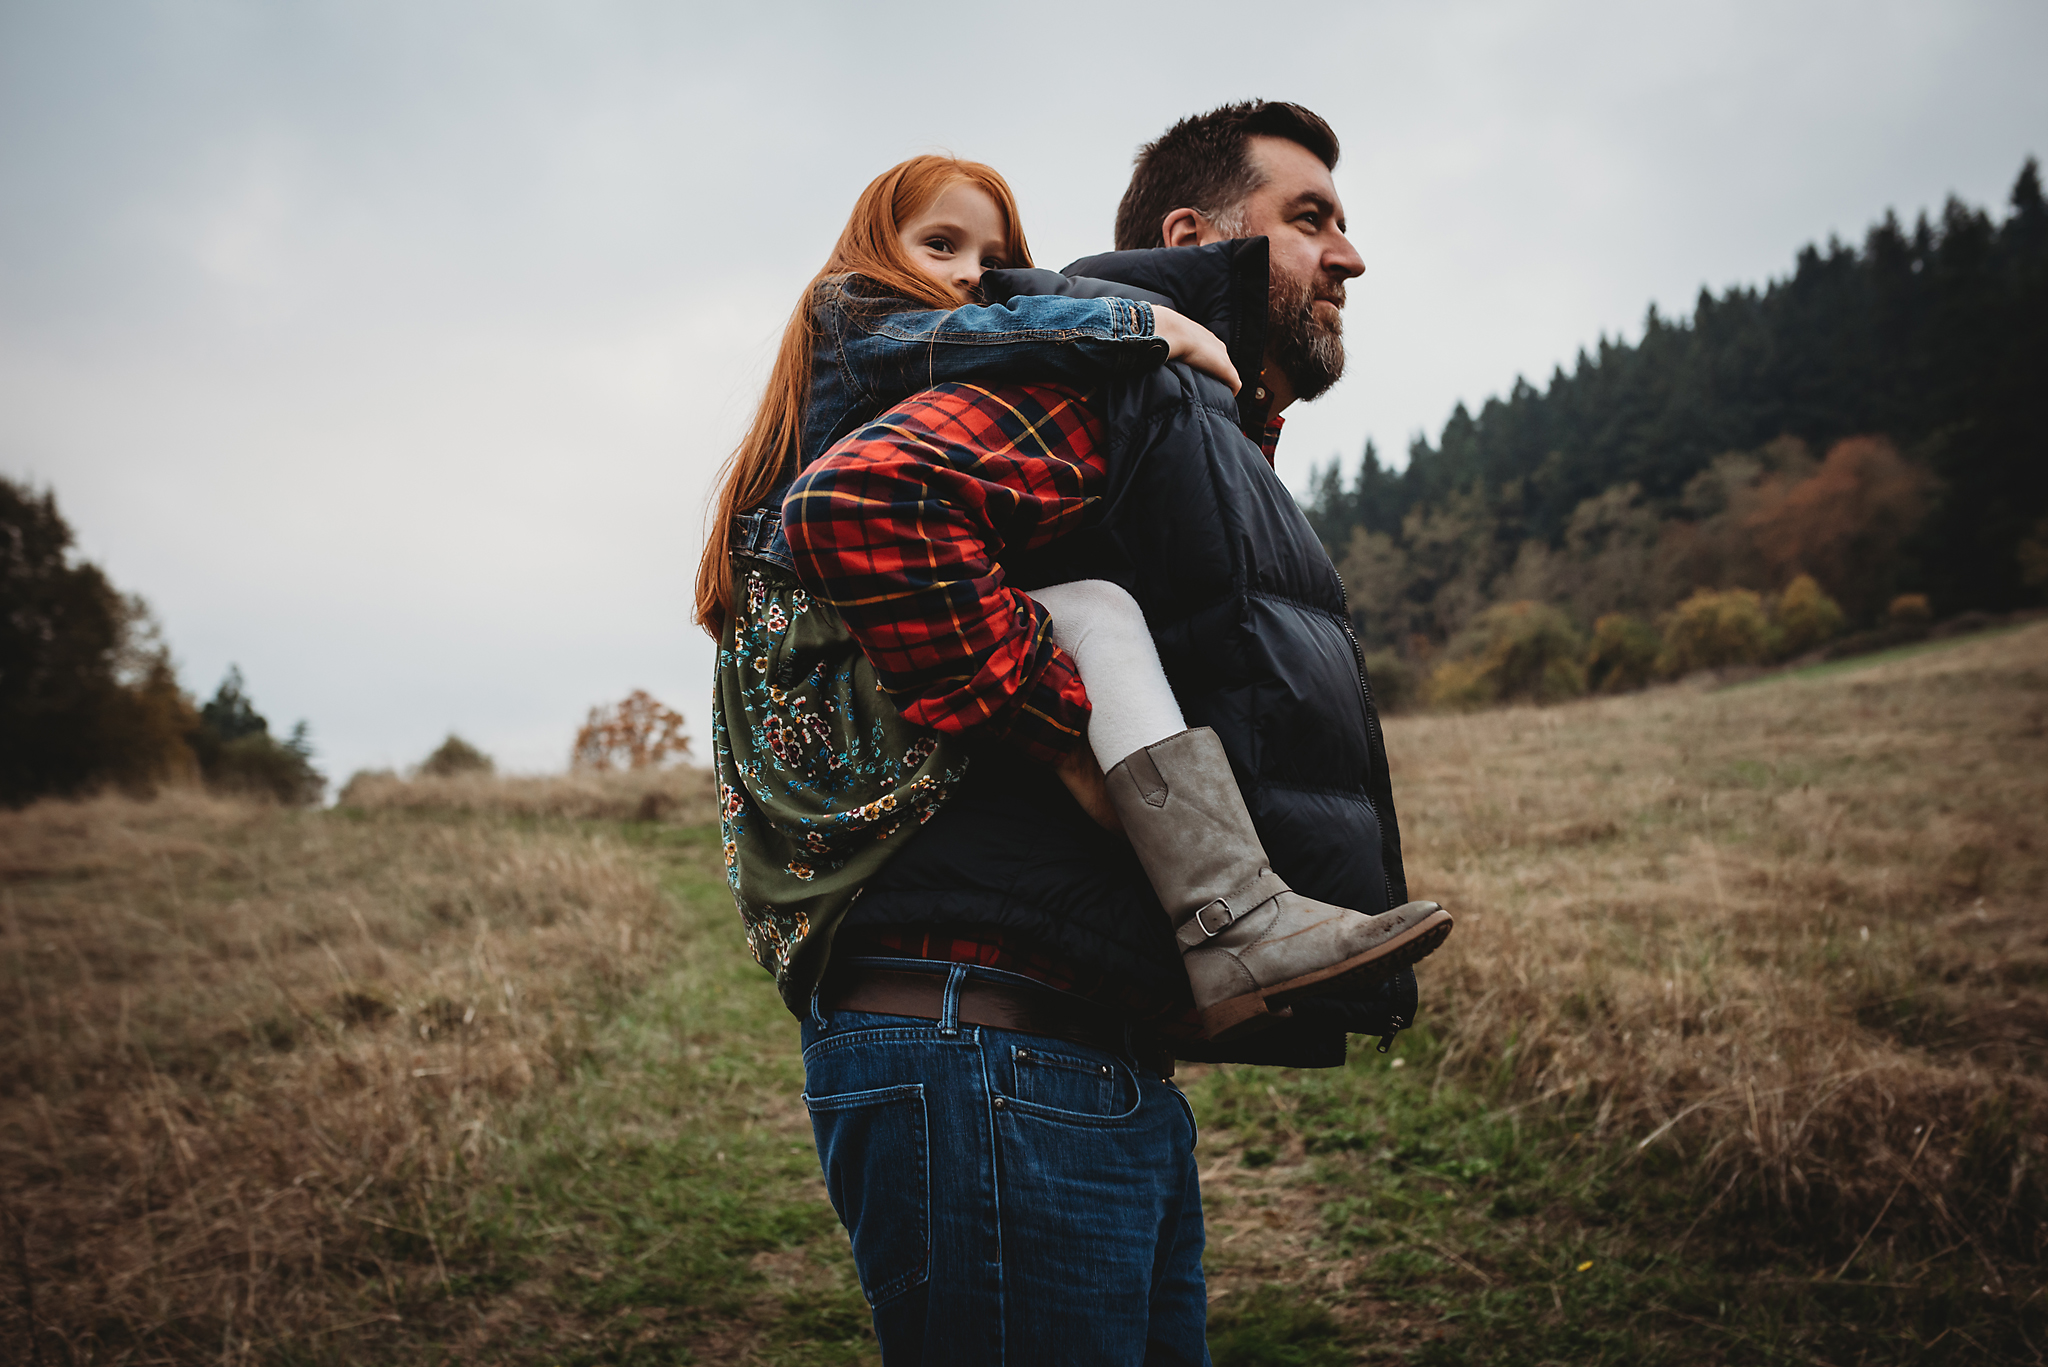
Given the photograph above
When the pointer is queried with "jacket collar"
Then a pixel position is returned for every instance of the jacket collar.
(1222, 286)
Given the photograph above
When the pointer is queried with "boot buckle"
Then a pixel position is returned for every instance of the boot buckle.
(1228, 917)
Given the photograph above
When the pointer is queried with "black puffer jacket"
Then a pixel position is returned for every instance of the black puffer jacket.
(1250, 620)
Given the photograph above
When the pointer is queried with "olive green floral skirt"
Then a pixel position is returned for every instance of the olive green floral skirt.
(820, 779)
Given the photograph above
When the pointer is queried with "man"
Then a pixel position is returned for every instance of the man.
(1233, 178)
(986, 1062)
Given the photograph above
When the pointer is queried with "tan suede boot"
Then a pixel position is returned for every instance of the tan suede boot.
(1251, 945)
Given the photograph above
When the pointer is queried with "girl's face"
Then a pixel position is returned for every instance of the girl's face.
(957, 237)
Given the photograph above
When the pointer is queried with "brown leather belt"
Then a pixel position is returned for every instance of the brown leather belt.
(998, 1005)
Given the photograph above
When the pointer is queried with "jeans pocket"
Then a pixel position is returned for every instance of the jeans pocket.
(1064, 1082)
(873, 1146)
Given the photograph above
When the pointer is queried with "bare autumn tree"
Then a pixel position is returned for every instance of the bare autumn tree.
(638, 733)
(1845, 525)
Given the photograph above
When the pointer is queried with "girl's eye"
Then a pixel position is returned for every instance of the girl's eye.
(938, 244)
(989, 263)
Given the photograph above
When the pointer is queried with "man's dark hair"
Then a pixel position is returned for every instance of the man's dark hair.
(1204, 163)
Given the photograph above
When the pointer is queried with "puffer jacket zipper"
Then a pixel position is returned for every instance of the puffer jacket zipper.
(1376, 747)
(1376, 754)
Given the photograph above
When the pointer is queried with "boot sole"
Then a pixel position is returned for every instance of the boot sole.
(1253, 1011)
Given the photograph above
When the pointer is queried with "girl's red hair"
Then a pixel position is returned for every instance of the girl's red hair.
(868, 247)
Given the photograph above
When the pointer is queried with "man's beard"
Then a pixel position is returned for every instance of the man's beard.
(1309, 349)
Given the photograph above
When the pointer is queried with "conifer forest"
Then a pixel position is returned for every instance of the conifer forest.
(1872, 422)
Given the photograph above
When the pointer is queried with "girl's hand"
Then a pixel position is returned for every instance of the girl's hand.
(1187, 340)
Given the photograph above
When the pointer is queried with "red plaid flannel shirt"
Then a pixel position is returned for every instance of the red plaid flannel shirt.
(901, 527)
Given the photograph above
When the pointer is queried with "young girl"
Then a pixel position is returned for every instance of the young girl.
(821, 779)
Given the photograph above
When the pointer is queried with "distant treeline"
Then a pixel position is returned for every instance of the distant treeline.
(1878, 421)
(89, 697)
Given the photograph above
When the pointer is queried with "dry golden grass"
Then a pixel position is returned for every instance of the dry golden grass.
(680, 794)
(271, 1080)
(240, 1044)
(1795, 931)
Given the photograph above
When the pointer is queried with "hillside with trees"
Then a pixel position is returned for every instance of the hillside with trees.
(1871, 424)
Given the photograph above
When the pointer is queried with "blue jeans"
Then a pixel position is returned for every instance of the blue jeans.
(1012, 1199)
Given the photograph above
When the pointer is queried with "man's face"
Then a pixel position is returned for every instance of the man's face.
(1298, 212)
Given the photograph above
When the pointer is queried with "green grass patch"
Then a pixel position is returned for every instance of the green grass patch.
(1451, 1229)
(666, 1206)
(1276, 1327)
(1828, 668)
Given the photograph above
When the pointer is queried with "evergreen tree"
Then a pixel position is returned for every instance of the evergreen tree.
(231, 716)
(1936, 339)
(237, 752)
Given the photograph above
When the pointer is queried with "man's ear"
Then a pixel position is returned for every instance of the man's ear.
(1181, 228)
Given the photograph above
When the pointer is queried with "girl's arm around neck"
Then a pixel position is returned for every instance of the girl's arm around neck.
(1030, 339)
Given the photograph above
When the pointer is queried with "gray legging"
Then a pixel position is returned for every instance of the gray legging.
(1103, 629)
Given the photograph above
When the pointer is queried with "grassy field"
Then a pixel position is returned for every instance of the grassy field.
(1737, 1056)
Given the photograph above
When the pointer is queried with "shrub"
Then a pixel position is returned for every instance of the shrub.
(1910, 610)
(265, 766)
(456, 756)
(1524, 650)
(1623, 655)
(1713, 629)
(1531, 652)
(637, 733)
(1806, 616)
(1393, 679)
(1458, 683)
(237, 753)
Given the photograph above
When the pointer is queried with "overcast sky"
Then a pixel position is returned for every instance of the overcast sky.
(388, 348)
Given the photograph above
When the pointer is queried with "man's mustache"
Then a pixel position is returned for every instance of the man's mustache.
(1294, 300)
(1306, 298)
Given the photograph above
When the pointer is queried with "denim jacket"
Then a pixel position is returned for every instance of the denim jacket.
(872, 350)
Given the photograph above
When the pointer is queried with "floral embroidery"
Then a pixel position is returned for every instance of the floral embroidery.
(819, 776)
(771, 942)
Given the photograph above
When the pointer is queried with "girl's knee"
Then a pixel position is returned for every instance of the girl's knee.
(1098, 602)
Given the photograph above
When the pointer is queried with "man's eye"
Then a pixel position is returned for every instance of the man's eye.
(1312, 218)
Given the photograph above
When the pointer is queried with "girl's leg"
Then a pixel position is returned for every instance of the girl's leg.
(1103, 628)
(1251, 945)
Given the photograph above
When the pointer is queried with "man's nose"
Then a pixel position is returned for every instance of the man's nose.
(1343, 260)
